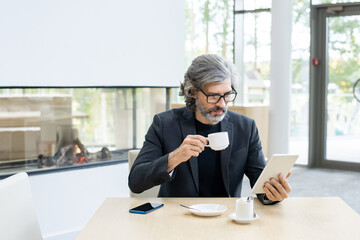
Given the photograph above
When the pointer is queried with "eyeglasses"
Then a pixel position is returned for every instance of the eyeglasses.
(215, 98)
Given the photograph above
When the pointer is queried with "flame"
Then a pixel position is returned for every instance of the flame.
(77, 150)
(78, 159)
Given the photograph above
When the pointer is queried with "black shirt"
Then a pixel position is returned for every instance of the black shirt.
(211, 183)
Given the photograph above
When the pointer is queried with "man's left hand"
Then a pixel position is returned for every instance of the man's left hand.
(277, 190)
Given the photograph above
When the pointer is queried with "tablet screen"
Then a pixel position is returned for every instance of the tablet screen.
(279, 163)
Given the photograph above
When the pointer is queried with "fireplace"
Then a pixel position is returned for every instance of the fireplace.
(47, 128)
(73, 154)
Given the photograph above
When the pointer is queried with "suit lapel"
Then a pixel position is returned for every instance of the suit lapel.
(188, 128)
(226, 126)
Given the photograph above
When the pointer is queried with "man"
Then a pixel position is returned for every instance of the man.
(174, 153)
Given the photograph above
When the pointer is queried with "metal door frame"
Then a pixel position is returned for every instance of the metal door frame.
(318, 83)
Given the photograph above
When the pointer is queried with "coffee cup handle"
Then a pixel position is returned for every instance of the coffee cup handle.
(207, 145)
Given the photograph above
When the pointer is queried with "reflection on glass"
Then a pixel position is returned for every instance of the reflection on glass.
(343, 110)
(253, 57)
(317, 2)
(252, 4)
(209, 28)
(149, 101)
(299, 105)
(57, 127)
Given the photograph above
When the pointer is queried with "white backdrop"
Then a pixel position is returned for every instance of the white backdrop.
(91, 43)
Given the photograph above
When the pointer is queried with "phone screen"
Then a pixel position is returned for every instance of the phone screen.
(146, 207)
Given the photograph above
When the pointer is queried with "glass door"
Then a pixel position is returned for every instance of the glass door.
(335, 71)
(343, 71)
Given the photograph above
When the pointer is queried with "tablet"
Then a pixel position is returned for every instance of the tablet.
(279, 163)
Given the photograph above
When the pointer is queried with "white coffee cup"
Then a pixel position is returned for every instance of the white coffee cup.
(218, 141)
(244, 208)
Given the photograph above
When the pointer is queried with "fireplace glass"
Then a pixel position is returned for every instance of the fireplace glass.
(57, 128)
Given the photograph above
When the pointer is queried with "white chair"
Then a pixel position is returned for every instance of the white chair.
(152, 192)
(18, 218)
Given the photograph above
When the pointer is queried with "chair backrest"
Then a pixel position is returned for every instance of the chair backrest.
(18, 218)
(152, 192)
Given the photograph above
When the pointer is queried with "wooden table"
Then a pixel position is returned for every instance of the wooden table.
(294, 218)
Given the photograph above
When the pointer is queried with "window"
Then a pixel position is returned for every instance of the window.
(316, 2)
(299, 97)
(45, 128)
(252, 57)
(209, 28)
(252, 50)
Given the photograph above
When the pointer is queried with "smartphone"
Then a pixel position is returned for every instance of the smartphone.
(146, 208)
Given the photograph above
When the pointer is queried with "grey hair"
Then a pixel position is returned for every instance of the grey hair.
(205, 69)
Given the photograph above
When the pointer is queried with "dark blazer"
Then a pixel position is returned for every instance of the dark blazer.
(167, 132)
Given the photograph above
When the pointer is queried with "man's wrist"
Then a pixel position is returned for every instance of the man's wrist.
(172, 162)
(264, 200)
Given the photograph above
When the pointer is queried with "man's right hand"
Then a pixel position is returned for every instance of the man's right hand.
(192, 146)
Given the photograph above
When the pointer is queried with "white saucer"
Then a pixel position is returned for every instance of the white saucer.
(208, 210)
(242, 220)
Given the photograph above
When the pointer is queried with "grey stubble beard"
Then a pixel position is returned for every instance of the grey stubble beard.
(207, 113)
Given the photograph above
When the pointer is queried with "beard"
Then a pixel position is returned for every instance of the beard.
(207, 112)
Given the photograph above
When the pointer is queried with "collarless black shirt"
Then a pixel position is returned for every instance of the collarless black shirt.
(211, 183)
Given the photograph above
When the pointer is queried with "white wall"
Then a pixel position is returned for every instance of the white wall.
(66, 200)
(92, 42)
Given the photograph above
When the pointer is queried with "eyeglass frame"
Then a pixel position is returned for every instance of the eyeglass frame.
(220, 96)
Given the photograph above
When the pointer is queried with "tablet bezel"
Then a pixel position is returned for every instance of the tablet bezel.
(279, 163)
